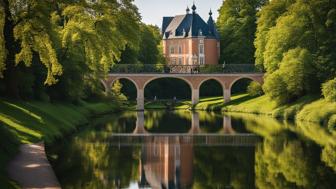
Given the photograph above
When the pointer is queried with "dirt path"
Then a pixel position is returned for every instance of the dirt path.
(31, 168)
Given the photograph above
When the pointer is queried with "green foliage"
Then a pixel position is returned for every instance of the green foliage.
(77, 42)
(255, 89)
(147, 50)
(329, 90)
(150, 53)
(295, 41)
(32, 30)
(267, 18)
(291, 80)
(237, 26)
(276, 88)
(2, 43)
(116, 91)
(328, 156)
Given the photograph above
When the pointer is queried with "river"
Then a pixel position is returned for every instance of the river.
(182, 149)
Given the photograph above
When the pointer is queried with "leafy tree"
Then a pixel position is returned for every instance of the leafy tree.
(329, 90)
(77, 42)
(276, 88)
(147, 50)
(295, 39)
(150, 52)
(267, 19)
(237, 26)
(26, 30)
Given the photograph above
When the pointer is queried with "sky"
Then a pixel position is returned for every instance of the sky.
(152, 11)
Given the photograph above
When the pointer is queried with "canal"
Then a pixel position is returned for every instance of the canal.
(183, 149)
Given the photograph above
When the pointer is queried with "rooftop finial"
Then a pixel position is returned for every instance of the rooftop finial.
(193, 7)
(210, 13)
(188, 10)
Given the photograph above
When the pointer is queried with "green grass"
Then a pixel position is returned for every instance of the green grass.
(163, 104)
(30, 122)
(308, 108)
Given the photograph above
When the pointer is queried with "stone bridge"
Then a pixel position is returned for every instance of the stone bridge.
(141, 80)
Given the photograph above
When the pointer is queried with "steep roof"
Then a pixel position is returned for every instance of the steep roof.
(188, 25)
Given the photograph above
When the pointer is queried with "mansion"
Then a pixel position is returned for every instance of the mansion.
(189, 40)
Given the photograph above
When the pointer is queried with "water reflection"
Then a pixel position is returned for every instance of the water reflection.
(194, 125)
(200, 150)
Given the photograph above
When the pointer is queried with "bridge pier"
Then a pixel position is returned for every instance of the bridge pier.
(140, 100)
(195, 123)
(227, 94)
(195, 96)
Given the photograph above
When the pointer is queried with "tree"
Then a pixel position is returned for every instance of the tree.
(147, 50)
(80, 40)
(329, 90)
(237, 26)
(295, 40)
(150, 52)
(26, 30)
(267, 18)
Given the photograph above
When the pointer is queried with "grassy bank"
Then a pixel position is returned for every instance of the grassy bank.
(30, 122)
(168, 104)
(307, 108)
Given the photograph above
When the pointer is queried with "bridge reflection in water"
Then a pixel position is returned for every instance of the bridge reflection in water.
(167, 159)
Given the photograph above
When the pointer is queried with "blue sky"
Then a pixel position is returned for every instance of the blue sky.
(152, 11)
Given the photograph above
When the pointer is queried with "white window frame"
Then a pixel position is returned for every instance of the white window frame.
(201, 49)
(201, 60)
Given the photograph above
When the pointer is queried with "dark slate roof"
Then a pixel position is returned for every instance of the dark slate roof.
(188, 25)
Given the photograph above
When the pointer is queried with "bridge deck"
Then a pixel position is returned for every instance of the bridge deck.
(184, 139)
(191, 69)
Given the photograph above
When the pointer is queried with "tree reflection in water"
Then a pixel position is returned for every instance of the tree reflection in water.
(288, 156)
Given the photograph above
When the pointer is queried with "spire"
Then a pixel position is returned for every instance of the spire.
(210, 13)
(187, 10)
(194, 8)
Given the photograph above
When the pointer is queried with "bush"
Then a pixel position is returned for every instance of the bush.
(329, 90)
(276, 88)
(255, 89)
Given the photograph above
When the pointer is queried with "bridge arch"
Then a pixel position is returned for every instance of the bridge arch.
(109, 83)
(216, 81)
(126, 78)
(168, 77)
(245, 77)
(211, 78)
(194, 90)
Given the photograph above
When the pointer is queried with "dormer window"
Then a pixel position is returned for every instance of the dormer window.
(200, 32)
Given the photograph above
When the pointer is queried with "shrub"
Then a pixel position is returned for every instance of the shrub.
(255, 89)
(329, 90)
(276, 88)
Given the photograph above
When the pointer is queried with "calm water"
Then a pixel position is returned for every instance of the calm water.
(159, 149)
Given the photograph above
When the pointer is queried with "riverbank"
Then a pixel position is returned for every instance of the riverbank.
(31, 122)
(308, 108)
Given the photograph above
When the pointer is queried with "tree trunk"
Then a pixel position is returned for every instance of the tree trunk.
(11, 72)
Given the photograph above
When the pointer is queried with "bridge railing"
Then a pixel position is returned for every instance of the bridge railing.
(179, 69)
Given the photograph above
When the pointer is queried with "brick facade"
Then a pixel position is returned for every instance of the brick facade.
(189, 40)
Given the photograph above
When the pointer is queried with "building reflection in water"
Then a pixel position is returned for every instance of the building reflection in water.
(167, 161)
